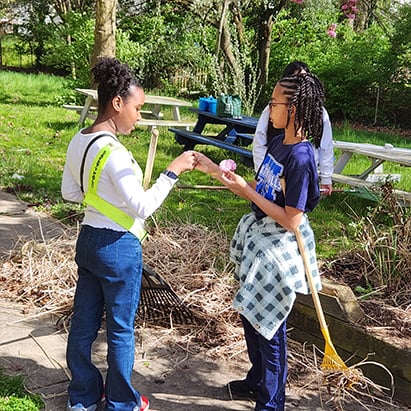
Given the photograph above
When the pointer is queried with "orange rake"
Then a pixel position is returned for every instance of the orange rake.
(331, 360)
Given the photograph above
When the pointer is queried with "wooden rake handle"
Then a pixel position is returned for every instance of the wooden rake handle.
(314, 293)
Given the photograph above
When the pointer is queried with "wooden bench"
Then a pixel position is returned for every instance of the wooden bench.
(189, 139)
(77, 109)
(403, 197)
(152, 122)
(148, 119)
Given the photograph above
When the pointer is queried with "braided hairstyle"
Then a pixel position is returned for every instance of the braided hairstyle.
(295, 67)
(306, 94)
(113, 79)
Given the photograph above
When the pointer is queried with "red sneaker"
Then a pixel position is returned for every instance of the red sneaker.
(145, 405)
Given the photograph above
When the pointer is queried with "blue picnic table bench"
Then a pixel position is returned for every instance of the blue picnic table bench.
(234, 137)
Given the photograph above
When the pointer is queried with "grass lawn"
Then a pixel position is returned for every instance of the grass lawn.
(35, 130)
(13, 397)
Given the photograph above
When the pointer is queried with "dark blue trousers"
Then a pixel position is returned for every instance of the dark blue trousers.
(268, 373)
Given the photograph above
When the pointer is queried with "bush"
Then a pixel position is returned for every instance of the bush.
(13, 396)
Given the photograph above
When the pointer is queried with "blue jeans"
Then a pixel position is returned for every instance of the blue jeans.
(109, 278)
(268, 373)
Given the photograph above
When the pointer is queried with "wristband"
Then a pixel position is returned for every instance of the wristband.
(170, 174)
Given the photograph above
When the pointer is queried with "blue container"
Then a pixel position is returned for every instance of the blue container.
(203, 104)
(212, 105)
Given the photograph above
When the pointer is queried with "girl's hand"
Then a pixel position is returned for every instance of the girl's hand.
(184, 162)
(206, 165)
(234, 182)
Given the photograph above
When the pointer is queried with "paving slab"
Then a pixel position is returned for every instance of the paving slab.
(173, 379)
(19, 223)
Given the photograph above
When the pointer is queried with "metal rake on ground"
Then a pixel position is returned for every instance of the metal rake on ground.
(159, 304)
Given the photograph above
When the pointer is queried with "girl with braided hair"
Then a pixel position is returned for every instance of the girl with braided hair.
(324, 153)
(264, 248)
(101, 172)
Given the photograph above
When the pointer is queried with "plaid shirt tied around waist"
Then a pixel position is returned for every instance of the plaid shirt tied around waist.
(270, 270)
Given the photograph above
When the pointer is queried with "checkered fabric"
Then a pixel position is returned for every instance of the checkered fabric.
(270, 270)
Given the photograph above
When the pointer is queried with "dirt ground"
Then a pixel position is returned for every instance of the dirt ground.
(179, 367)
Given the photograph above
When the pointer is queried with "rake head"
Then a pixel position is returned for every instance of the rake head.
(159, 304)
(331, 361)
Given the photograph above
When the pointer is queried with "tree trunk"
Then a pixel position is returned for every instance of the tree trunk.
(265, 48)
(105, 30)
(265, 39)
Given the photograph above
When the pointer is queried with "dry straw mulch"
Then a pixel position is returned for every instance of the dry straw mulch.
(194, 262)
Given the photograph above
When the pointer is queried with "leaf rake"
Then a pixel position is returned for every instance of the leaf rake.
(159, 304)
(331, 360)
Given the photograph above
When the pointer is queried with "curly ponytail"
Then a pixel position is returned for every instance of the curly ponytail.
(113, 79)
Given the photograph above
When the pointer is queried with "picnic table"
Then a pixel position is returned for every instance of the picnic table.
(377, 155)
(235, 136)
(151, 118)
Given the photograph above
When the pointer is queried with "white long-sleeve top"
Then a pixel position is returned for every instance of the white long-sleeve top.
(324, 155)
(120, 182)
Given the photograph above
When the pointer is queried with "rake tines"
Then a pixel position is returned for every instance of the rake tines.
(159, 304)
(331, 359)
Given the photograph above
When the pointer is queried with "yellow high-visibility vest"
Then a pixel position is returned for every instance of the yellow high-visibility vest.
(104, 207)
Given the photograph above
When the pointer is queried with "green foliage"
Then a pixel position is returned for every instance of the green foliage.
(70, 46)
(31, 145)
(171, 40)
(15, 52)
(365, 68)
(366, 74)
(132, 52)
(13, 396)
(384, 236)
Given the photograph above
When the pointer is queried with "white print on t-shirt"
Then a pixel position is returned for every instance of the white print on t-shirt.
(268, 179)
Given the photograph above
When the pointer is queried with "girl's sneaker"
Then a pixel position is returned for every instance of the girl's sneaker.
(145, 405)
(81, 407)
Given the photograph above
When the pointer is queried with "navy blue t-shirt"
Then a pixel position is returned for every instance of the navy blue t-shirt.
(296, 164)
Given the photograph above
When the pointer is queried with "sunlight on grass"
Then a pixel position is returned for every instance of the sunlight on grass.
(35, 130)
(13, 396)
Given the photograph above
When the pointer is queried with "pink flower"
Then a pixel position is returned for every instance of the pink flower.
(227, 165)
(331, 31)
(349, 9)
(298, 1)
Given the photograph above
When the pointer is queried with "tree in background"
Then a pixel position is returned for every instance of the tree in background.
(242, 43)
(105, 30)
(359, 48)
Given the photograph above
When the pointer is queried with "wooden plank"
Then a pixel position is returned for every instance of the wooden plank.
(403, 197)
(164, 123)
(150, 158)
(337, 300)
(387, 152)
(352, 181)
(78, 109)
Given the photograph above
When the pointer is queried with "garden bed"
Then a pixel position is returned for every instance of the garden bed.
(356, 337)
(42, 276)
